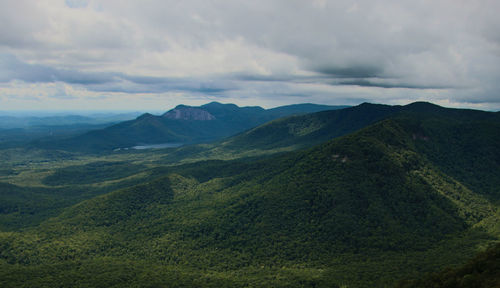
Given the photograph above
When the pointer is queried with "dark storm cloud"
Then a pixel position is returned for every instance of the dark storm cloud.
(14, 69)
(368, 83)
(278, 78)
(145, 80)
(167, 85)
(351, 72)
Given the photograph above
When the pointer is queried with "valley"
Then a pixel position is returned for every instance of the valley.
(305, 196)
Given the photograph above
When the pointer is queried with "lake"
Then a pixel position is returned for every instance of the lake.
(157, 146)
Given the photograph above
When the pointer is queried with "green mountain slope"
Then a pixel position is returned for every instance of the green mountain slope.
(301, 131)
(288, 133)
(362, 210)
(304, 130)
(466, 148)
(311, 128)
(482, 272)
(193, 124)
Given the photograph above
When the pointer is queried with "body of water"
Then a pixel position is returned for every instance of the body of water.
(157, 146)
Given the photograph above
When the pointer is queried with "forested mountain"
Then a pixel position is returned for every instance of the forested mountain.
(394, 200)
(315, 128)
(183, 124)
(290, 133)
(481, 272)
(301, 131)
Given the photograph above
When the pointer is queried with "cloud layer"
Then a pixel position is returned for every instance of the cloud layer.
(145, 54)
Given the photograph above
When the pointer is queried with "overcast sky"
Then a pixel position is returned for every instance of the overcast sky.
(153, 55)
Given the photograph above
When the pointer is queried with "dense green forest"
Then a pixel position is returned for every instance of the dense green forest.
(482, 272)
(368, 196)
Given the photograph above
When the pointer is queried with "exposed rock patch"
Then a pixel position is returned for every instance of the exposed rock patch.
(189, 113)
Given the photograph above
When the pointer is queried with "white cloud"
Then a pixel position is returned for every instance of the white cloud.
(268, 51)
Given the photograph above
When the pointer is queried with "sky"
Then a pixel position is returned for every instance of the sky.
(153, 55)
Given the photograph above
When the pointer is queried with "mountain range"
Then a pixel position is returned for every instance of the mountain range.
(366, 196)
(182, 125)
(302, 131)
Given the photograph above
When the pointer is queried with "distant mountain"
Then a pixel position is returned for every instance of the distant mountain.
(363, 210)
(472, 134)
(310, 129)
(31, 122)
(17, 131)
(290, 133)
(183, 124)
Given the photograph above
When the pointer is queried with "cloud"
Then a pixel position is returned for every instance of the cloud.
(385, 84)
(350, 72)
(77, 3)
(274, 52)
(14, 69)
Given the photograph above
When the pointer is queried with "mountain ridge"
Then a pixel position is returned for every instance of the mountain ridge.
(301, 131)
(179, 125)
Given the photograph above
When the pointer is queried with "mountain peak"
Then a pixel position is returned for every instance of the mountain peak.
(216, 107)
(218, 104)
(145, 115)
(183, 106)
(423, 106)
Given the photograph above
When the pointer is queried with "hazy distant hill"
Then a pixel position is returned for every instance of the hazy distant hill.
(27, 122)
(183, 124)
(16, 131)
